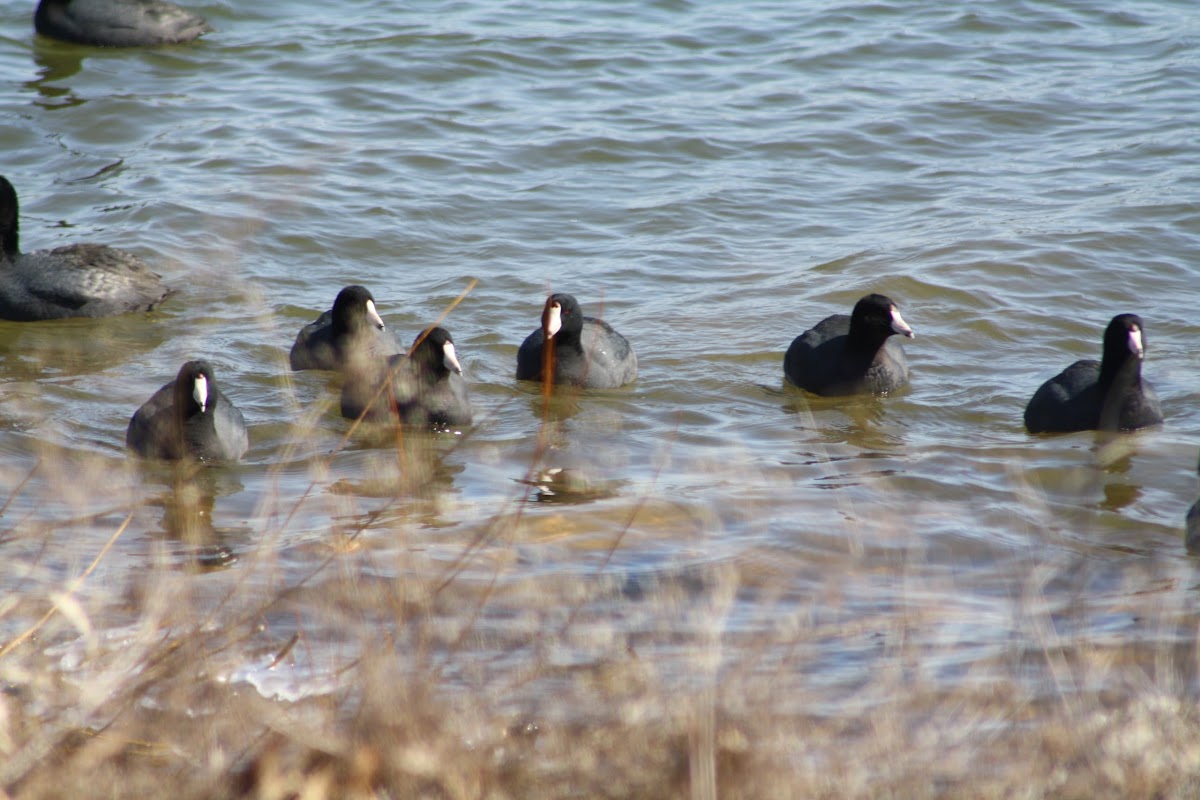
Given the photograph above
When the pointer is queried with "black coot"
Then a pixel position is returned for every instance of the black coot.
(585, 352)
(1191, 537)
(76, 280)
(853, 354)
(189, 418)
(427, 387)
(1106, 395)
(117, 23)
(349, 336)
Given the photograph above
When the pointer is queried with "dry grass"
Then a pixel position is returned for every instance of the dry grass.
(444, 683)
(460, 674)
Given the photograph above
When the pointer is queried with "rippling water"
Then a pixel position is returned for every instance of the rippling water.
(712, 178)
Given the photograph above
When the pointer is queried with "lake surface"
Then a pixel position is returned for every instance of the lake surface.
(712, 179)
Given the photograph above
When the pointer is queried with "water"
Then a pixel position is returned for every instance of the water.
(711, 178)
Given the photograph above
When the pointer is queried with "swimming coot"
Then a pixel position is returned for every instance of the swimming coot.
(1106, 395)
(585, 352)
(189, 418)
(1191, 537)
(75, 280)
(427, 386)
(117, 23)
(853, 354)
(349, 336)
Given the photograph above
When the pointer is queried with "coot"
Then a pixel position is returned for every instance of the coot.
(427, 386)
(1107, 395)
(75, 280)
(117, 23)
(854, 354)
(189, 418)
(1191, 539)
(585, 352)
(349, 336)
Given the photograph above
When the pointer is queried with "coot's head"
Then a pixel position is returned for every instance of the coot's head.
(9, 223)
(561, 315)
(878, 317)
(195, 389)
(433, 350)
(1124, 338)
(354, 309)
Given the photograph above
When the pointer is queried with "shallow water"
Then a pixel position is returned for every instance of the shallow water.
(710, 178)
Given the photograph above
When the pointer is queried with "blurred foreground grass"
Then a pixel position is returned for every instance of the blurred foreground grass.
(363, 665)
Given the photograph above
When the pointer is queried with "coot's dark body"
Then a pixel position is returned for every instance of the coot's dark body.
(189, 418)
(75, 280)
(586, 352)
(1108, 395)
(118, 23)
(844, 355)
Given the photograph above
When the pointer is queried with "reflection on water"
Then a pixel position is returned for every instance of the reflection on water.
(555, 403)
(393, 461)
(188, 501)
(56, 62)
(32, 350)
(862, 420)
(1119, 495)
(567, 485)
